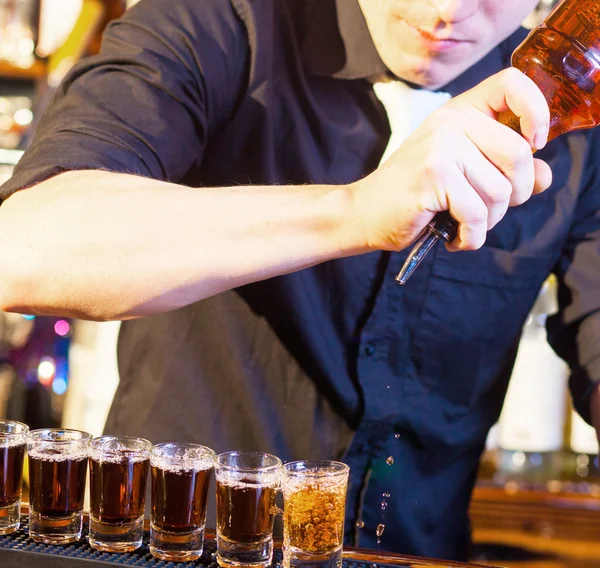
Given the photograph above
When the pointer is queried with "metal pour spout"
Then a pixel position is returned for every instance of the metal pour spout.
(443, 226)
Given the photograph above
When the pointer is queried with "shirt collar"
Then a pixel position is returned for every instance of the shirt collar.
(337, 43)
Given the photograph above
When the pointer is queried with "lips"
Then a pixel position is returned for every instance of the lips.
(438, 42)
(432, 37)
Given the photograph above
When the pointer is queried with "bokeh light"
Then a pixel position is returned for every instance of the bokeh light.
(59, 386)
(46, 370)
(23, 117)
(62, 328)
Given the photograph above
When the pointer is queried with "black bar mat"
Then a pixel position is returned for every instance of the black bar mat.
(17, 550)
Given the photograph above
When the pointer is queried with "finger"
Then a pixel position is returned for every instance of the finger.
(513, 90)
(543, 176)
(508, 151)
(487, 180)
(467, 207)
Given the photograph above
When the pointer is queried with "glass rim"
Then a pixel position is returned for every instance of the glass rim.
(24, 428)
(257, 469)
(206, 451)
(35, 435)
(319, 468)
(96, 441)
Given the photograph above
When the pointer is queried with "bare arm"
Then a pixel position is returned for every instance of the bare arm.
(104, 245)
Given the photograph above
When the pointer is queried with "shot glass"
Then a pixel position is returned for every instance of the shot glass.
(57, 470)
(118, 474)
(13, 445)
(181, 475)
(314, 505)
(247, 484)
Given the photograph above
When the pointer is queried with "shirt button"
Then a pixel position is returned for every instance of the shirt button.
(370, 349)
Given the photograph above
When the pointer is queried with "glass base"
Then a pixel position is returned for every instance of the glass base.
(124, 536)
(55, 530)
(176, 546)
(255, 554)
(10, 518)
(294, 558)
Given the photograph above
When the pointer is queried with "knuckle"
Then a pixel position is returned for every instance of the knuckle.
(477, 216)
(511, 75)
(520, 155)
(432, 168)
(446, 118)
(434, 165)
(499, 192)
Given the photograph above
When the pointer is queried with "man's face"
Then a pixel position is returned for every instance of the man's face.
(431, 42)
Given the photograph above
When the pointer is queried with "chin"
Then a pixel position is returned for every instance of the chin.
(431, 76)
(428, 79)
(432, 71)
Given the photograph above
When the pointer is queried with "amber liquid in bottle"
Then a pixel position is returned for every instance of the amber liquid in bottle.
(562, 56)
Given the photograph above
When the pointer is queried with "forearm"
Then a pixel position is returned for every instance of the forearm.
(102, 245)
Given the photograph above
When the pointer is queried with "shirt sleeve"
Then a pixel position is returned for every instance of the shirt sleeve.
(168, 73)
(574, 332)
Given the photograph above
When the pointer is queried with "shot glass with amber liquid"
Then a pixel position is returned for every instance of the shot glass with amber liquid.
(247, 485)
(119, 468)
(57, 473)
(13, 446)
(181, 476)
(314, 505)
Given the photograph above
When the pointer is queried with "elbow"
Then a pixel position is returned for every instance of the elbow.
(34, 279)
(9, 296)
(30, 295)
(15, 292)
(7, 302)
(16, 300)
(15, 260)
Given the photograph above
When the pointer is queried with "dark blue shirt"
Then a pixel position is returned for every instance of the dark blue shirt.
(336, 361)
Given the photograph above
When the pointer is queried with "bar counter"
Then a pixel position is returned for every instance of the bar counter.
(19, 551)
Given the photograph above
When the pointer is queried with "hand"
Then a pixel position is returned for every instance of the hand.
(463, 160)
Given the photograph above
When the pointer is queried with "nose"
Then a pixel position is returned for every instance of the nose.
(454, 11)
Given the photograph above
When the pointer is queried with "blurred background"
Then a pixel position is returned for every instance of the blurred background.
(537, 501)
(53, 371)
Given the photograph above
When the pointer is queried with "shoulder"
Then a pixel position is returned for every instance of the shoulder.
(214, 17)
(222, 37)
(183, 13)
(200, 46)
(189, 24)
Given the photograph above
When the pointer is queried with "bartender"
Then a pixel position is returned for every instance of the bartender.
(213, 177)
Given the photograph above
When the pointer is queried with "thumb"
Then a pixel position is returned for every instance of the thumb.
(511, 90)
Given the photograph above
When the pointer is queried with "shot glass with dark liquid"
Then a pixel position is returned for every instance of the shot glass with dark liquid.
(247, 484)
(118, 475)
(314, 506)
(13, 444)
(57, 471)
(181, 475)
